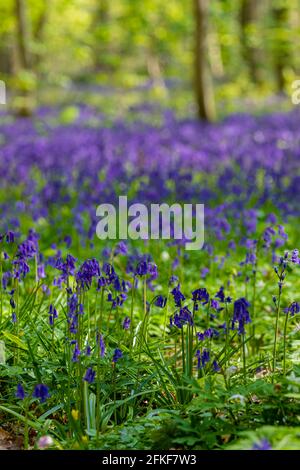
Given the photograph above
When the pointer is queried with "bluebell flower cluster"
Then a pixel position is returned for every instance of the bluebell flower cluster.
(184, 317)
(203, 358)
(241, 315)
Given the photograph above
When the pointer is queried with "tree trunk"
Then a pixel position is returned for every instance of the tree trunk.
(6, 57)
(99, 23)
(281, 51)
(249, 16)
(23, 102)
(203, 78)
(39, 30)
(22, 35)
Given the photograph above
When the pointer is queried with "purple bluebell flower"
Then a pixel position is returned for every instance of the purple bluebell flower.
(126, 323)
(117, 355)
(178, 296)
(20, 393)
(68, 241)
(216, 366)
(108, 269)
(89, 269)
(295, 257)
(26, 250)
(160, 301)
(41, 391)
(200, 336)
(215, 304)
(204, 272)
(293, 309)
(52, 314)
(241, 315)
(10, 237)
(121, 249)
(41, 271)
(173, 280)
(66, 267)
(202, 358)
(182, 318)
(101, 283)
(101, 342)
(142, 268)
(76, 353)
(118, 300)
(220, 294)
(152, 271)
(263, 444)
(21, 269)
(201, 295)
(90, 375)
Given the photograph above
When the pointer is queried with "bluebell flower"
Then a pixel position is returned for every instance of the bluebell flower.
(160, 301)
(10, 237)
(142, 268)
(87, 271)
(178, 296)
(52, 314)
(263, 444)
(126, 323)
(101, 283)
(21, 269)
(215, 304)
(41, 271)
(117, 355)
(121, 248)
(108, 269)
(241, 315)
(216, 367)
(201, 295)
(295, 257)
(90, 375)
(20, 393)
(182, 318)
(173, 280)
(293, 309)
(202, 358)
(41, 391)
(76, 353)
(101, 342)
(68, 241)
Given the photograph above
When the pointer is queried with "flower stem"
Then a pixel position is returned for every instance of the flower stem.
(276, 329)
(284, 343)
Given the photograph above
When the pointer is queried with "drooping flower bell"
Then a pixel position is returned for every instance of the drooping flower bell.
(41, 391)
(89, 375)
(241, 315)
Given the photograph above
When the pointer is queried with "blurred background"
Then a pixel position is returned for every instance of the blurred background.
(201, 57)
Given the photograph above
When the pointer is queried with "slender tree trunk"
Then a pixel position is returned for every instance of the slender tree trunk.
(6, 57)
(100, 21)
(281, 54)
(24, 97)
(39, 30)
(249, 17)
(203, 78)
(22, 34)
